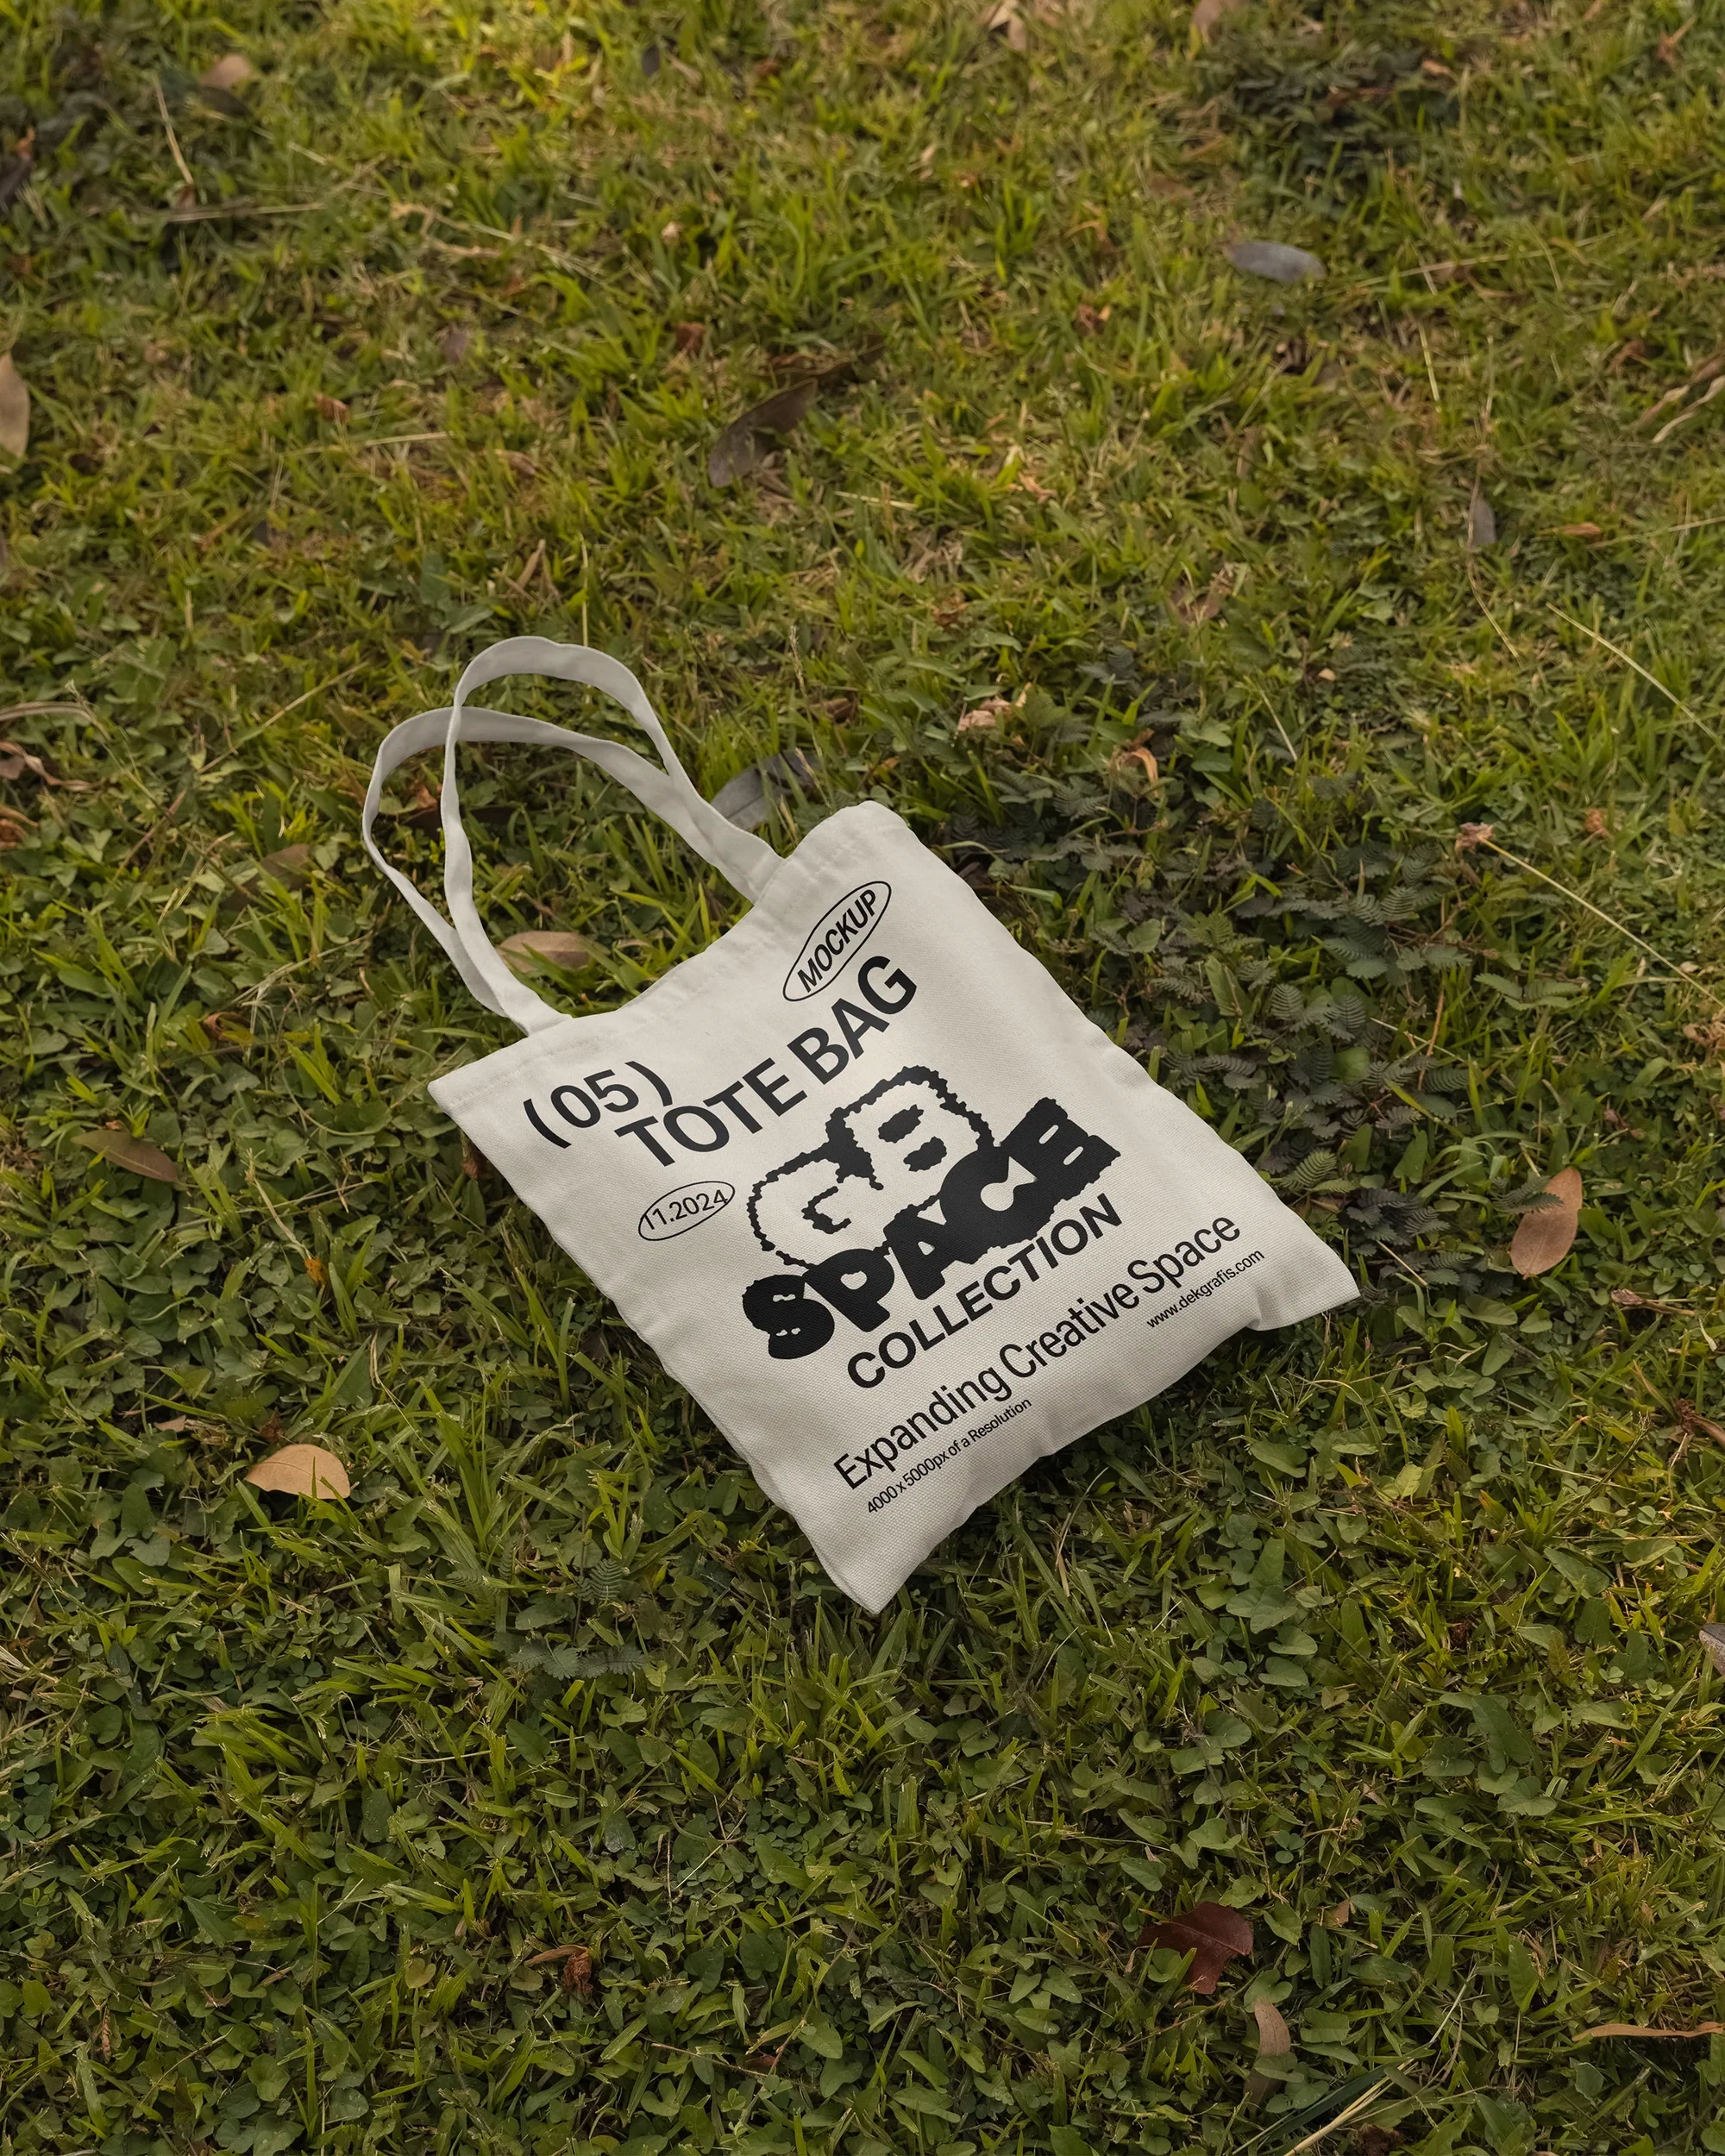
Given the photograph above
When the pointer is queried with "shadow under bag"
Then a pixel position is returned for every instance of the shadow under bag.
(897, 1215)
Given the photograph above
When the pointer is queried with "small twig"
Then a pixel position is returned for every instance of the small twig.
(184, 169)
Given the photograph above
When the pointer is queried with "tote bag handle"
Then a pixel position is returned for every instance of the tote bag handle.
(747, 862)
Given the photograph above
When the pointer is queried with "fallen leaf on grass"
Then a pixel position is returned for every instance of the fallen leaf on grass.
(1482, 524)
(1207, 14)
(1193, 611)
(687, 335)
(1272, 258)
(1273, 2043)
(1546, 1232)
(15, 408)
(1666, 46)
(301, 1470)
(331, 408)
(986, 716)
(1005, 21)
(1710, 1036)
(555, 946)
(453, 343)
(1641, 2028)
(1139, 754)
(137, 1155)
(1577, 531)
(1690, 1419)
(1594, 824)
(228, 72)
(747, 799)
(743, 444)
(14, 760)
(1210, 1932)
(287, 865)
(576, 1972)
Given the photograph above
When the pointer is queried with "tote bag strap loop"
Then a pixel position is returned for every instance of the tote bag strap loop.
(746, 861)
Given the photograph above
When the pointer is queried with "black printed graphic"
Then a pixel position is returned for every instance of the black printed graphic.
(683, 1208)
(835, 939)
(909, 1183)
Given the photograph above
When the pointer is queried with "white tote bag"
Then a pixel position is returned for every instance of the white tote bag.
(897, 1215)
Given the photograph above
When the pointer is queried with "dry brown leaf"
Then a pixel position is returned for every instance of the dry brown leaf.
(1210, 1932)
(1473, 835)
(523, 953)
(1710, 1036)
(1273, 2042)
(1594, 824)
(228, 72)
(301, 1470)
(15, 408)
(1140, 754)
(287, 865)
(983, 717)
(135, 1154)
(1577, 532)
(331, 408)
(742, 445)
(1482, 524)
(1666, 46)
(14, 760)
(687, 335)
(474, 1165)
(576, 1972)
(1543, 1238)
(1006, 20)
(1207, 14)
(1690, 1420)
(1641, 2028)
(1192, 611)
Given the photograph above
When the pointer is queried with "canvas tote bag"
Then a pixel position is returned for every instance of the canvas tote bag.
(897, 1215)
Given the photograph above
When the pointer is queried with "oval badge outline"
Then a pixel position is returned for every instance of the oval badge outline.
(804, 978)
(674, 1226)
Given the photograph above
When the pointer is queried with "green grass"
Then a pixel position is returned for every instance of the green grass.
(1396, 1611)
